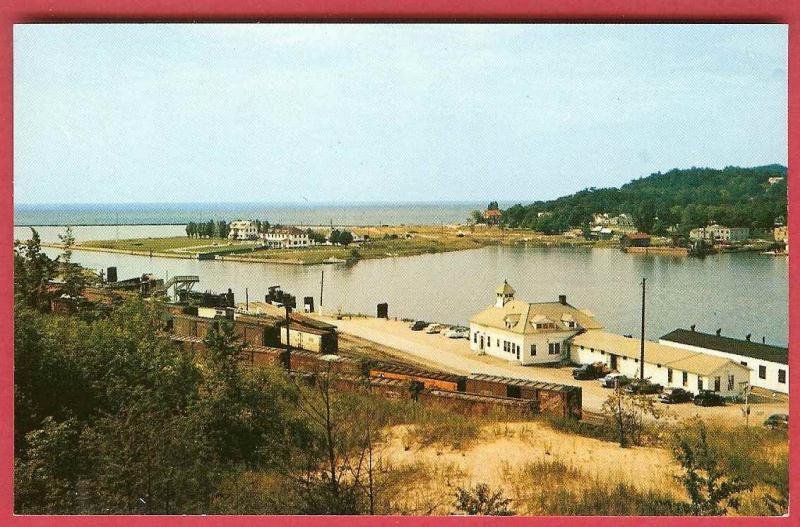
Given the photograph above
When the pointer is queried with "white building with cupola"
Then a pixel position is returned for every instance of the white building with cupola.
(527, 333)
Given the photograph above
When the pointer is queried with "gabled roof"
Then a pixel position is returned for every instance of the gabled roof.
(654, 353)
(745, 348)
(524, 315)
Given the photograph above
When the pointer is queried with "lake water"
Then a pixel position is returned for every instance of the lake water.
(288, 214)
(741, 293)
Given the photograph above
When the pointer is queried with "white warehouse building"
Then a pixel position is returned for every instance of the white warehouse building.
(769, 365)
(527, 333)
(668, 366)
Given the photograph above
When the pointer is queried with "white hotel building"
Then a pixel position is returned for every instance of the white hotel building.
(287, 238)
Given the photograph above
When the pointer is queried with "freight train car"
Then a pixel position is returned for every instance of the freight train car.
(547, 398)
(431, 380)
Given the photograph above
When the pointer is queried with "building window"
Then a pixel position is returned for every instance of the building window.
(743, 363)
(717, 383)
(699, 384)
(475, 338)
(782, 376)
(762, 372)
(488, 342)
(533, 349)
(731, 382)
(554, 348)
(685, 380)
(669, 374)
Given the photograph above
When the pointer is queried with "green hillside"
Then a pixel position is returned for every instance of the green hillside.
(685, 198)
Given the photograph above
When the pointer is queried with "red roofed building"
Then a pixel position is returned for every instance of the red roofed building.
(492, 216)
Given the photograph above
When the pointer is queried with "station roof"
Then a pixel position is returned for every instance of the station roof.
(744, 348)
(654, 353)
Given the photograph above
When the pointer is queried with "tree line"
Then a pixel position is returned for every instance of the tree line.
(680, 198)
(208, 229)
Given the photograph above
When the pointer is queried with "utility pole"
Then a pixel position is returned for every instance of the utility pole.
(641, 348)
(287, 300)
(246, 300)
(321, 287)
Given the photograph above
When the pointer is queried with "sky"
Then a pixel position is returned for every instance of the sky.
(129, 113)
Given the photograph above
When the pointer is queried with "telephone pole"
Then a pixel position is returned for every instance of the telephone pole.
(321, 287)
(641, 348)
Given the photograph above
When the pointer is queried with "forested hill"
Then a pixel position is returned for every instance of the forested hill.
(685, 198)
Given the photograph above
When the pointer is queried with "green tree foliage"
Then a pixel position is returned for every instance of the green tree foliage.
(111, 417)
(627, 414)
(345, 238)
(333, 237)
(315, 236)
(493, 206)
(73, 276)
(733, 196)
(482, 501)
(476, 216)
(33, 270)
(711, 490)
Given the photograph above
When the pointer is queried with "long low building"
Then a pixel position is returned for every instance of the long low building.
(769, 365)
(670, 366)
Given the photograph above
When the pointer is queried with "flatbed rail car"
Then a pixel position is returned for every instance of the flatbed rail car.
(548, 398)
(430, 379)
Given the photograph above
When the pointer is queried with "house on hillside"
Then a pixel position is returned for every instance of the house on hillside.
(242, 230)
(668, 366)
(769, 365)
(527, 333)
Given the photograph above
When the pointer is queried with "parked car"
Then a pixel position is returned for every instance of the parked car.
(643, 387)
(675, 395)
(777, 421)
(588, 372)
(613, 380)
(457, 332)
(706, 398)
(418, 325)
(435, 328)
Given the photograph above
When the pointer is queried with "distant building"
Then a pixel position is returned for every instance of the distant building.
(492, 216)
(243, 230)
(769, 365)
(775, 179)
(781, 234)
(526, 333)
(720, 234)
(286, 238)
(635, 239)
(601, 233)
(693, 371)
(623, 220)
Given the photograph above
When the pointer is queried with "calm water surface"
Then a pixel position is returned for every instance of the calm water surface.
(741, 293)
